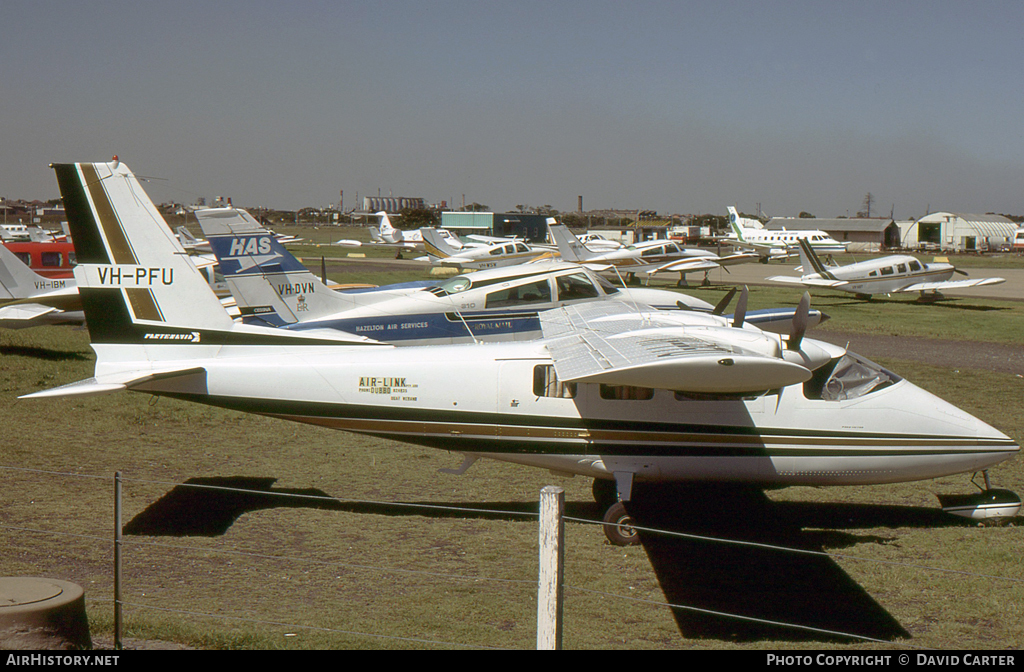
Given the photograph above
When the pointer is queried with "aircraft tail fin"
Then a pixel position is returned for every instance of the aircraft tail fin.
(570, 247)
(136, 282)
(185, 236)
(734, 222)
(810, 261)
(388, 232)
(436, 246)
(270, 285)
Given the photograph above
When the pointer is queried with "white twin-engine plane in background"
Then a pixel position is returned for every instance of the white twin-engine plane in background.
(619, 394)
(900, 273)
(273, 288)
(770, 244)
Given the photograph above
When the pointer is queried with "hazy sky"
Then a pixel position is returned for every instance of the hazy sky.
(679, 107)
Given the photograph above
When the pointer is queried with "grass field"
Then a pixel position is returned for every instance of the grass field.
(342, 541)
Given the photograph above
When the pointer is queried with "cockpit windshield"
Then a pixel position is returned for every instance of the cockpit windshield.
(459, 283)
(850, 377)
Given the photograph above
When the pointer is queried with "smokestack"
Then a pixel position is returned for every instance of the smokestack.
(580, 206)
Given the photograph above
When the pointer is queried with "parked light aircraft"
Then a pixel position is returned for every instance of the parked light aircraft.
(892, 274)
(51, 259)
(646, 258)
(28, 299)
(386, 235)
(274, 288)
(621, 395)
(190, 242)
(493, 254)
(750, 233)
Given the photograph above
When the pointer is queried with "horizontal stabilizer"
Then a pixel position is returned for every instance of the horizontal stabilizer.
(25, 311)
(113, 383)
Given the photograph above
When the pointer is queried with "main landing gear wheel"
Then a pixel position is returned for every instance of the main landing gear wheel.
(618, 526)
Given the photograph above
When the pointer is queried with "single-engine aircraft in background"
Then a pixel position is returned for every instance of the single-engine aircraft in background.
(617, 393)
(273, 288)
(494, 253)
(648, 258)
(899, 273)
(386, 235)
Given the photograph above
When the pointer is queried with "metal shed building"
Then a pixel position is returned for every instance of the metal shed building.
(958, 232)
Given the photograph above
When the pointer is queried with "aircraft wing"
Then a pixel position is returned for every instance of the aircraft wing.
(950, 284)
(740, 258)
(616, 344)
(807, 282)
(685, 266)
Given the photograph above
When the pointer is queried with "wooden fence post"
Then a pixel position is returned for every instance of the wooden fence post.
(552, 558)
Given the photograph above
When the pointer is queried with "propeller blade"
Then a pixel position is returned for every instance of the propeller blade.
(957, 270)
(323, 270)
(723, 304)
(741, 309)
(800, 321)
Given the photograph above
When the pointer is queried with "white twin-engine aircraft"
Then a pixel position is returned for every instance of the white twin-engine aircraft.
(899, 273)
(751, 234)
(610, 392)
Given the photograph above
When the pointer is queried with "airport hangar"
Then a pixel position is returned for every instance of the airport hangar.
(949, 231)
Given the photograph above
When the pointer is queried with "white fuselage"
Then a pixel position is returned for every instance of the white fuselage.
(497, 401)
(888, 274)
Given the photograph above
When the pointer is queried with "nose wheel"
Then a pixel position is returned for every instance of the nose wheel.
(618, 526)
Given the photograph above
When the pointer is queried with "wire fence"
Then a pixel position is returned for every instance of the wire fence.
(523, 589)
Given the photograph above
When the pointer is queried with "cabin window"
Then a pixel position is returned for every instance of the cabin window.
(575, 287)
(25, 257)
(873, 274)
(608, 287)
(902, 268)
(546, 383)
(653, 251)
(496, 251)
(626, 392)
(915, 266)
(888, 270)
(535, 292)
(520, 247)
(50, 259)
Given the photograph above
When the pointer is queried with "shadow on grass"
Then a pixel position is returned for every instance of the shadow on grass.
(44, 353)
(207, 507)
(755, 582)
(764, 586)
